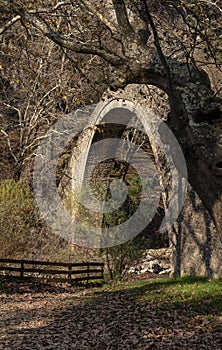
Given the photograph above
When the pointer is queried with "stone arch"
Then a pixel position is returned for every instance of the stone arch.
(101, 114)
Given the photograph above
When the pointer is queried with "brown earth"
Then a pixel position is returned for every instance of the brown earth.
(48, 317)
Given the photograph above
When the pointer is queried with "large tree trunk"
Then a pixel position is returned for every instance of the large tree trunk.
(195, 121)
(196, 248)
(198, 132)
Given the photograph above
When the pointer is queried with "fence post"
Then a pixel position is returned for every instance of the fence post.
(102, 271)
(70, 272)
(87, 273)
(22, 269)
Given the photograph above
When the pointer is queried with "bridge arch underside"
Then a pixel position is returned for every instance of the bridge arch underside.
(117, 121)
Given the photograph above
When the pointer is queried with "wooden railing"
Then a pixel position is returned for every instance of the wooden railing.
(52, 271)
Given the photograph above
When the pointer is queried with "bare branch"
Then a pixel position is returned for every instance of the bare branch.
(51, 9)
(9, 144)
(93, 10)
(15, 109)
(60, 4)
(9, 24)
(162, 59)
(122, 18)
(211, 3)
(71, 44)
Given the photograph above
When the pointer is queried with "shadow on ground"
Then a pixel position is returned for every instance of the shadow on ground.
(147, 316)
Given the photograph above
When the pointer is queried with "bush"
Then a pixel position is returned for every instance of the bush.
(119, 257)
(18, 217)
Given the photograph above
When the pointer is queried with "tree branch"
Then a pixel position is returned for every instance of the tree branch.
(70, 44)
(9, 24)
(162, 59)
(138, 8)
(211, 3)
(9, 144)
(93, 10)
(60, 4)
(122, 18)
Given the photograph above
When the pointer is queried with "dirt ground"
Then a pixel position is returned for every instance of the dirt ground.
(41, 316)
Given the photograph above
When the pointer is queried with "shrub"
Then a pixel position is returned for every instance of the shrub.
(119, 257)
(18, 217)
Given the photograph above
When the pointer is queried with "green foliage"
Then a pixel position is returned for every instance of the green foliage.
(12, 193)
(73, 202)
(131, 204)
(119, 257)
(24, 234)
(17, 217)
(187, 299)
(188, 294)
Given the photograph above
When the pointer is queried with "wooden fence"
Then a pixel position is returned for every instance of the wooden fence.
(52, 271)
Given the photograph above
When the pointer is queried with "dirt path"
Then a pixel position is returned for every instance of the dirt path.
(66, 319)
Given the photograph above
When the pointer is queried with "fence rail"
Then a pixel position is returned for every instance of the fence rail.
(57, 272)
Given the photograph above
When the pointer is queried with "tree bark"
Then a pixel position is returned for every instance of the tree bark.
(195, 127)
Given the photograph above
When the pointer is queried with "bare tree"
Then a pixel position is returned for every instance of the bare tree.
(39, 81)
(149, 42)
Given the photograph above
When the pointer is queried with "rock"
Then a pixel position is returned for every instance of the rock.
(155, 261)
(156, 268)
(168, 271)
